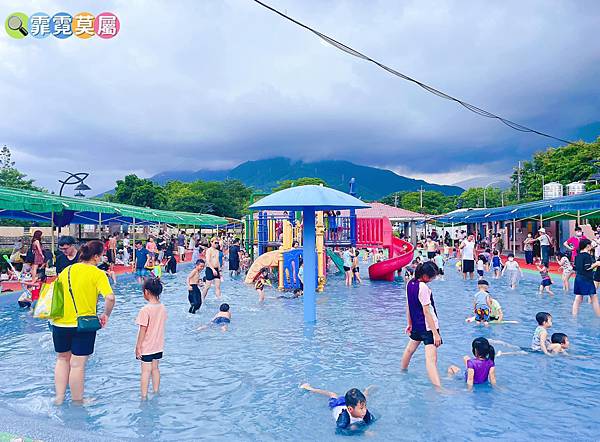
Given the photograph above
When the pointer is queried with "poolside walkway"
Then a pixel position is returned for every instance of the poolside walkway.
(15, 286)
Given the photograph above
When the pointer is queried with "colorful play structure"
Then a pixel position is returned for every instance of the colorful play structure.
(274, 235)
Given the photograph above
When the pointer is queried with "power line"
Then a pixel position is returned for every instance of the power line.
(432, 90)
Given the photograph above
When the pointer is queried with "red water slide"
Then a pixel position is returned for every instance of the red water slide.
(401, 253)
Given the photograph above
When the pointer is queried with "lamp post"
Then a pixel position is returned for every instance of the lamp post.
(72, 180)
(484, 191)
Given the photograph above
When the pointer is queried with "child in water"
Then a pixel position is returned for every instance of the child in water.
(194, 283)
(480, 369)
(439, 262)
(151, 335)
(482, 303)
(513, 271)
(567, 270)
(546, 281)
(496, 264)
(422, 320)
(349, 411)
(480, 266)
(558, 343)
(261, 281)
(540, 340)
(222, 318)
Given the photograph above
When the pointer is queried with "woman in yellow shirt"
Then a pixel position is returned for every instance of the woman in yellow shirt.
(73, 347)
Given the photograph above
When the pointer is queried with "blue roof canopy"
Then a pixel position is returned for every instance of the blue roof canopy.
(309, 196)
(583, 202)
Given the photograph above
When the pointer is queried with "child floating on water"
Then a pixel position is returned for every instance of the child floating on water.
(541, 341)
(558, 343)
(480, 369)
(513, 271)
(151, 336)
(482, 303)
(349, 411)
(222, 318)
(546, 282)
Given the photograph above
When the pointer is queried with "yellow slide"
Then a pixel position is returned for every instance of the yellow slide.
(269, 259)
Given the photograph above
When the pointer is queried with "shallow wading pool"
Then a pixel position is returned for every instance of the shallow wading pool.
(243, 384)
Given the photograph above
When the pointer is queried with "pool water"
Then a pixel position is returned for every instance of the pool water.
(243, 384)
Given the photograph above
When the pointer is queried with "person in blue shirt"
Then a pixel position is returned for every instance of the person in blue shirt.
(349, 411)
(141, 257)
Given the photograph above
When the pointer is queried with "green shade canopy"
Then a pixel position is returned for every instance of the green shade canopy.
(28, 204)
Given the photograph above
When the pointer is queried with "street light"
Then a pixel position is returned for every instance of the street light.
(484, 191)
(72, 179)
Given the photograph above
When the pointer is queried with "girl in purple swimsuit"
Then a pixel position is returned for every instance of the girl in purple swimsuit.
(480, 369)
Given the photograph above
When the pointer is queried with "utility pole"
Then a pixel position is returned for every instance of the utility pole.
(519, 182)
(421, 197)
(395, 200)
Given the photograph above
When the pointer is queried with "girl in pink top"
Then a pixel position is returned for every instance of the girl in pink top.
(151, 336)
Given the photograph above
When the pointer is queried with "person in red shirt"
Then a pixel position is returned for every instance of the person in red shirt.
(572, 243)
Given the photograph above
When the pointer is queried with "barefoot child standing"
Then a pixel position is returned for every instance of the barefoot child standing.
(151, 336)
(422, 320)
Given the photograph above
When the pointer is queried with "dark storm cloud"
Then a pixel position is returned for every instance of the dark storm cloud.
(235, 82)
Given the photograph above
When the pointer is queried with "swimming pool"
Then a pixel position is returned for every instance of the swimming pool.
(243, 384)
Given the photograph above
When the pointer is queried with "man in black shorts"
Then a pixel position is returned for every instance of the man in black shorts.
(213, 270)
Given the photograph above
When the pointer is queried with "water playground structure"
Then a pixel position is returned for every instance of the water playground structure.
(274, 233)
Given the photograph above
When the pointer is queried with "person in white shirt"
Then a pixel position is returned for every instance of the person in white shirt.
(467, 248)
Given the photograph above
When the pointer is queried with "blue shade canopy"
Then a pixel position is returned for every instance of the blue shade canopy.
(583, 202)
(310, 196)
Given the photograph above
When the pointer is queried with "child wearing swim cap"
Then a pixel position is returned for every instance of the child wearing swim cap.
(349, 411)
(480, 369)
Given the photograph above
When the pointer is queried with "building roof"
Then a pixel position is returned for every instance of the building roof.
(585, 204)
(379, 210)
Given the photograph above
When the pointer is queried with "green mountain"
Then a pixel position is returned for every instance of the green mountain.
(371, 183)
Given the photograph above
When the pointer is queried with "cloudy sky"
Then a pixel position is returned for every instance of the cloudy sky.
(208, 84)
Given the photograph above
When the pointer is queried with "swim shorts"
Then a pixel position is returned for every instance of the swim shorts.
(546, 282)
(426, 337)
(69, 339)
(346, 269)
(583, 287)
(356, 270)
(468, 265)
(150, 358)
(221, 320)
(337, 402)
(212, 274)
(480, 272)
(142, 272)
(482, 313)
